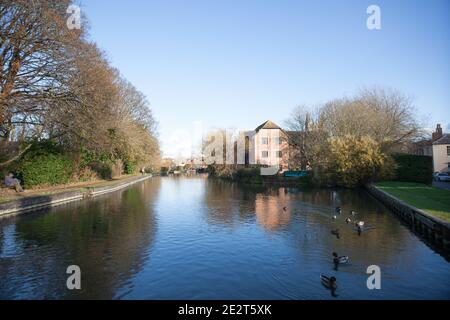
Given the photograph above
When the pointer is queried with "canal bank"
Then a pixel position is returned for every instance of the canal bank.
(434, 229)
(37, 202)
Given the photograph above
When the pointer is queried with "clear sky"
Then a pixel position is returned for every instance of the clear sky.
(237, 63)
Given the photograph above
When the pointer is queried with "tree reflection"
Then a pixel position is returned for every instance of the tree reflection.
(108, 237)
(229, 203)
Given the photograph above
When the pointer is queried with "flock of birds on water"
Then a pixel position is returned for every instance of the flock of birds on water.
(330, 283)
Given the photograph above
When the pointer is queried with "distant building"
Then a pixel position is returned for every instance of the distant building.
(167, 163)
(423, 147)
(441, 152)
(269, 146)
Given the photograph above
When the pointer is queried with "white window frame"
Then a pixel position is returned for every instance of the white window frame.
(278, 140)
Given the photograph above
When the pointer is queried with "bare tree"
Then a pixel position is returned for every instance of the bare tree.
(305, 135)
(33, 61)
(385, 115)
(56, 85)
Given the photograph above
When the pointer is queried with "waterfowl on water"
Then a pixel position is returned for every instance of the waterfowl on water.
(339, 260)
(348, 220)
(328, 282)
(338, 210)
(353, 213)
(359, 229)
(334, 217)
(336, 233)
(335, 261)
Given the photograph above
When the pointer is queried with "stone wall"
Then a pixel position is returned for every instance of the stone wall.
(28, 204)
(434, 229)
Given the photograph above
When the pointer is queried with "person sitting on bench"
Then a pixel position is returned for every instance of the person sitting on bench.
(12, 182)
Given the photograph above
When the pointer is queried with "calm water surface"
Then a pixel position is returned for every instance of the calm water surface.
(194, 238)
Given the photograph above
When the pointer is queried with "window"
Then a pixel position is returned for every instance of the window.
(265, 140)
(265, 154)
(279, 154)
(278, 140)
(448, 150)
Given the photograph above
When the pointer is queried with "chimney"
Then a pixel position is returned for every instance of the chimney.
(438, 133)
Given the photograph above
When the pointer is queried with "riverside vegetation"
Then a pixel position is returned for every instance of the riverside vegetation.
(350, 142)
(66, 114)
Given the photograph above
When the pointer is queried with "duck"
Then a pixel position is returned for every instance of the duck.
(336, 233)
(361, 223)
(328, 282)
(348, 220)
(358, 228)
(334, 217)
(284, 209)
(338, 210)
(339, 259)
(353, 212)
(335, 260)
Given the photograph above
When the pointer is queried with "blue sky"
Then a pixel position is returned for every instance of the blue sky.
(238, 63)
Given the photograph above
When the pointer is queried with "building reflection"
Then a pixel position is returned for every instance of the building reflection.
(273, 210)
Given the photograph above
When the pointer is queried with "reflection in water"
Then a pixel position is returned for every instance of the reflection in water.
(199, 238)
(108, 237)
(273, 210)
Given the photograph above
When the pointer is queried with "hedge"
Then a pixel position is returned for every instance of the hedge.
(412, 168)
(44, 164)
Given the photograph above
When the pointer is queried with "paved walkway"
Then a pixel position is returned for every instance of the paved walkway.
(441, 185)
(7, 194)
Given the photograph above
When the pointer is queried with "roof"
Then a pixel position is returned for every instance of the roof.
(444, 140)
(268, 125)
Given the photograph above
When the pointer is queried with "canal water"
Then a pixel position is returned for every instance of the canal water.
(197, 238)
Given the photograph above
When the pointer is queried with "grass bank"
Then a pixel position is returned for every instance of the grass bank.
(435, 201)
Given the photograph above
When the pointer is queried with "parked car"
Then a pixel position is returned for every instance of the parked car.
(442, 176)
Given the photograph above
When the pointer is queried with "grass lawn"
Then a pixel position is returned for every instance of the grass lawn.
(432, 200)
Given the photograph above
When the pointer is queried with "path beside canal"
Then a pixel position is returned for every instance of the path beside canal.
(40, 198)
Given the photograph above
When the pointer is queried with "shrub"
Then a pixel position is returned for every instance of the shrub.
(104, 170)
(354, 161)
(100, 163)
(412, 168)
(44, 168)
(247, 173)
(85, 174)
(129, 167)
(388, 170)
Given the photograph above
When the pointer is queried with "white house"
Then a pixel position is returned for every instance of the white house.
(441, 154)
